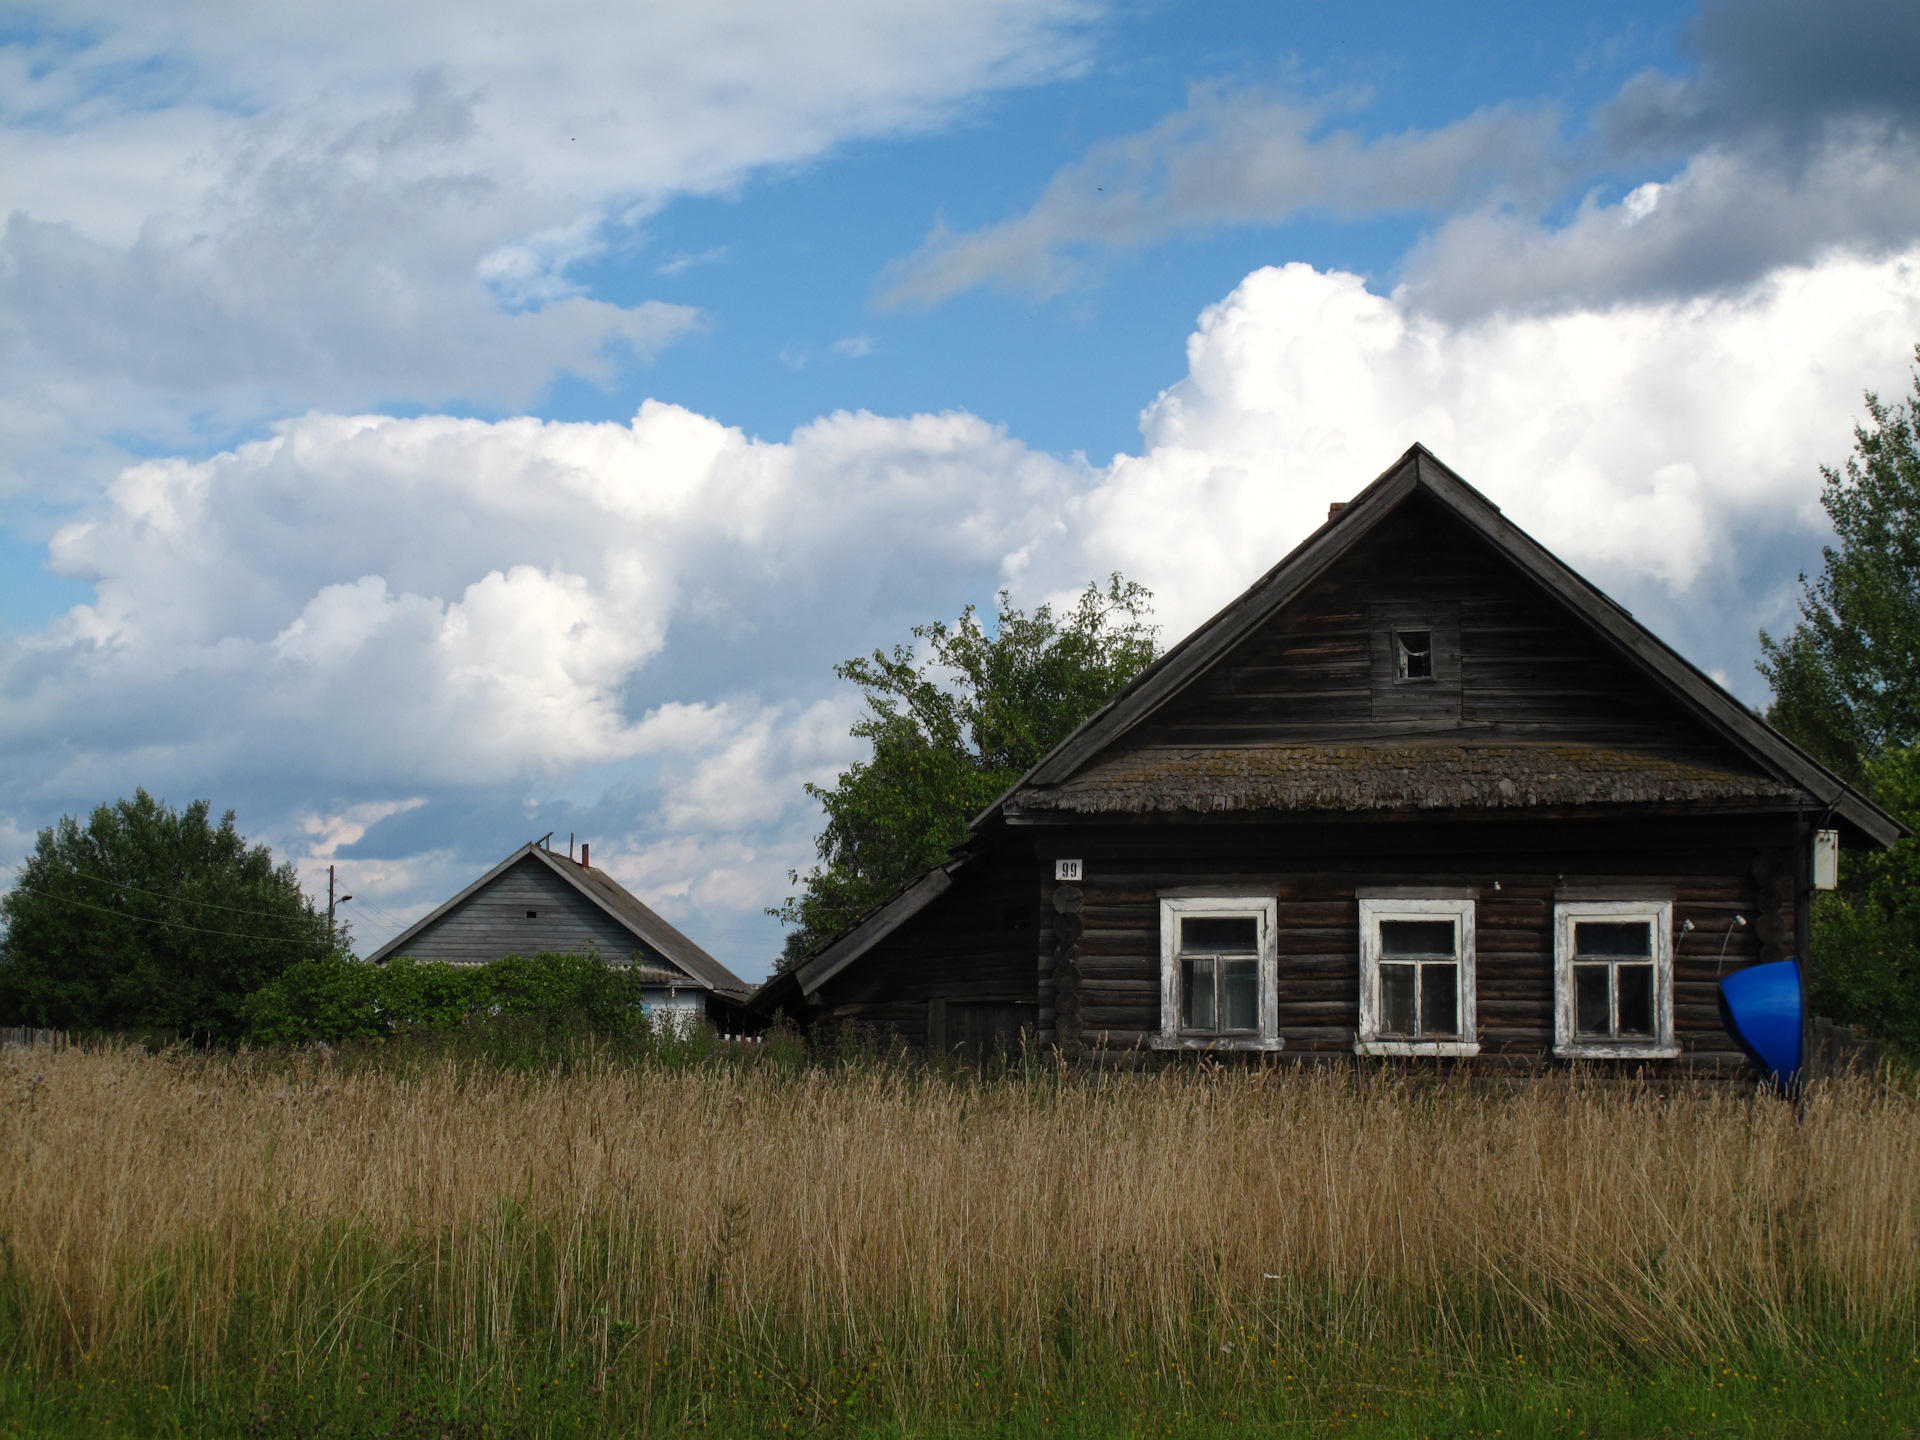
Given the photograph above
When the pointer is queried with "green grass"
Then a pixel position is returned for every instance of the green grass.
(1846, 1389)
(496, 1235)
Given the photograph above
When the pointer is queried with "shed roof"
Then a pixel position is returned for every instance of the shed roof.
(610, 896)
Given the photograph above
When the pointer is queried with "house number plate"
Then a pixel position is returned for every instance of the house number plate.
(1067, 870)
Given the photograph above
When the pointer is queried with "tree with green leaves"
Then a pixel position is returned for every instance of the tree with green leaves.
(1846, 687)
(950, 732)
(150, 919)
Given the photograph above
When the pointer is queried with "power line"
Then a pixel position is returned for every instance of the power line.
(162, 895)
(173, 924)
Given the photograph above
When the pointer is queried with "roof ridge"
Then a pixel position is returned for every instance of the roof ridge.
(1419, 471)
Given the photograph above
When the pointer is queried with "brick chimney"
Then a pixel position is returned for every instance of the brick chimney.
(583, 856)
(1333, 510)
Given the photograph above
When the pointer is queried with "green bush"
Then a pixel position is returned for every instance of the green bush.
(150, 920)
(1866, 934)
(338, 999)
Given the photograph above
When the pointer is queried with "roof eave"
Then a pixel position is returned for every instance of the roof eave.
(1685, 682)
(874, 927)
(1418, 469)
(1189, 659)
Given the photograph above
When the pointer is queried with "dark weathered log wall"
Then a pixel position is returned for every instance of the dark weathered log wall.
(1097, 977)
(1509, 661)
(1116, 979)
(976, 942)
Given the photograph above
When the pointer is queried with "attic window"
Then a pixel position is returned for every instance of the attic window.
(1415, 649)
(533, 914)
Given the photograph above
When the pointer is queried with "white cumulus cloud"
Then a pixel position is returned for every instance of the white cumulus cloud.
(220, 211)
(1670, 448)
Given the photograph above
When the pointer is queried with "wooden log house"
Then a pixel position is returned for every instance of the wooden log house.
(1421, 791)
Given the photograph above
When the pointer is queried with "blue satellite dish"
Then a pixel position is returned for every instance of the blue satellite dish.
(1760, 1007)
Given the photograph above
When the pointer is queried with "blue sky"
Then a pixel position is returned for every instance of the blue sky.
(800, 261)
(430, 426)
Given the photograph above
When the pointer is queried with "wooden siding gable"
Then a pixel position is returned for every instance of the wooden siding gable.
(589, 909)
(1691, 704)
(524, 910)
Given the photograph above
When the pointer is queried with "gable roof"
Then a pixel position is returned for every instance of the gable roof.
(610, 897)
(1419, 472)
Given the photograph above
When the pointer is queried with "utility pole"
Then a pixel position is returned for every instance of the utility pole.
(343, 900)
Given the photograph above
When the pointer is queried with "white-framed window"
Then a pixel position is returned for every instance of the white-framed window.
(1219, 973)
(1613, 979)
(1416, 976)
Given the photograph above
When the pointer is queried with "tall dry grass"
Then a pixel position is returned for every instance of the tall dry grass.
(192, 1213)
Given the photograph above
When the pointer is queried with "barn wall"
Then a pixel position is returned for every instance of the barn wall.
(977, 941)
(1115, 981)
(494, 923)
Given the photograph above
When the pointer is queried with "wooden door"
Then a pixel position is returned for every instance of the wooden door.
(976, 1030)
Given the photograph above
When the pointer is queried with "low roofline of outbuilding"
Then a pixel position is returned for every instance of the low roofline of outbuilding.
(824, 961)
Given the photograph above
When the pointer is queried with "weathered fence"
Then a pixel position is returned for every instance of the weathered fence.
(27, 1035)
(1837, 1050)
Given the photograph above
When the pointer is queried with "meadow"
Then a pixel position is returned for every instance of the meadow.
(440, 1239)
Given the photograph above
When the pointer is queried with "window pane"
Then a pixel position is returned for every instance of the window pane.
(1590, 1008)
(1636, 1000)
(1196, 994)
(1416, 654)
(1397, 1008)
(1612, 937)
(1241, 985)
(1416, 937)
(1439, 999)
(1220, 935)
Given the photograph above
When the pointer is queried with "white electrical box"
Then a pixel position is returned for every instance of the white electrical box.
(1066, 869)
(1826, 859)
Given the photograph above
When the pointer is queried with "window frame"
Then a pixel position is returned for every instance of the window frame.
(1374, 909)
(1659, 913)
(1402, 653)
(1266, 909)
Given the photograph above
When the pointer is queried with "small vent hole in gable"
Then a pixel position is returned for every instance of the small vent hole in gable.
(533, 914)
